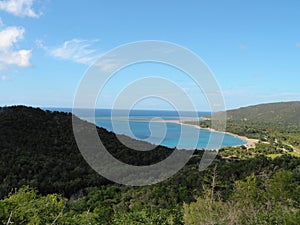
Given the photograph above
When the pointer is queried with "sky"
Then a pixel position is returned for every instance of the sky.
(47, 46)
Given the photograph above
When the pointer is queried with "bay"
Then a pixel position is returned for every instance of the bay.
(147, 125)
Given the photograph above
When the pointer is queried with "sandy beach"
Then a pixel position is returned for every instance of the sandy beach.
(250, 142)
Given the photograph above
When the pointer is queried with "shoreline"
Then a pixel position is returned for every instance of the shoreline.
(250, 143)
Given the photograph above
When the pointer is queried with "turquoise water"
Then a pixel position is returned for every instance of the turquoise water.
(141, 129)
(138, 125)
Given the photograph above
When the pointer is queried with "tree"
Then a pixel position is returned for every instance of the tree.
(27, 207)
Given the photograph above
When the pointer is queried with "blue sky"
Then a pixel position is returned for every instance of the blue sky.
(252, 47)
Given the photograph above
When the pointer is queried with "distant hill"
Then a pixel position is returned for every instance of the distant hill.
(267, 122)
(272, 113)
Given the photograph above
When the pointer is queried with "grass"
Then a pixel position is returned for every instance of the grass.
(273, 156)
(296, 154)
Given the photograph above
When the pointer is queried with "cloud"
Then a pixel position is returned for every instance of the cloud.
(298, 45)
(9, 36)
(8, 56)
(19, 58)
(76, 50)
(108, 65)
(19, 8)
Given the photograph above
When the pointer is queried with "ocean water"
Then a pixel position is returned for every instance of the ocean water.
(158, 127)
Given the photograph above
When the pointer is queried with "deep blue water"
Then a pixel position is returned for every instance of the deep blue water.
(138, 125)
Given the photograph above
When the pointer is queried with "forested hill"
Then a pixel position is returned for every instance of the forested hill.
(38, 148)
(279, 122)
(39, 156)
(272, 113)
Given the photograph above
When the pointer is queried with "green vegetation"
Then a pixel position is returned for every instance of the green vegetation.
(45, 180)
(276, 123)
(38, 149)
(283, 113)
(274, 200)
(266, 149)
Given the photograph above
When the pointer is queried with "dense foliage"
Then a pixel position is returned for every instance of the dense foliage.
(281, 113)
(274, 200)
(38, 148)
(276, 123)
(44, 180)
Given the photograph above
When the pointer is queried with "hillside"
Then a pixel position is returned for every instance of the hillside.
(277, 123)
(50, 183)
(285, 113)
(38, 148)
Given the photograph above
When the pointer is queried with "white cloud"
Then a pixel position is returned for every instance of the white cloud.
(76, 50)
(19, 58)
(107, 65)
(298, 45)
(8, 56)
(19, 8)
(9, 36)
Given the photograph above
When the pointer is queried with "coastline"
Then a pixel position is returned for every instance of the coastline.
(250, 142)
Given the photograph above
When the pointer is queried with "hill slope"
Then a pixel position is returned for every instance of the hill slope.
(283, 113)
(38, 148)
(271, 122)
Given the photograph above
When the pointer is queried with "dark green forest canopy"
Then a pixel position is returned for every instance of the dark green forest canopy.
(38, 149)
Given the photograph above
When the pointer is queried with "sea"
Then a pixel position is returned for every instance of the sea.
(158, 127)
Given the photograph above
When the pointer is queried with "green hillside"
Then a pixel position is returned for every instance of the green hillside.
(273, 122)
(45, 180)
(38, 148)
(285, 113)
